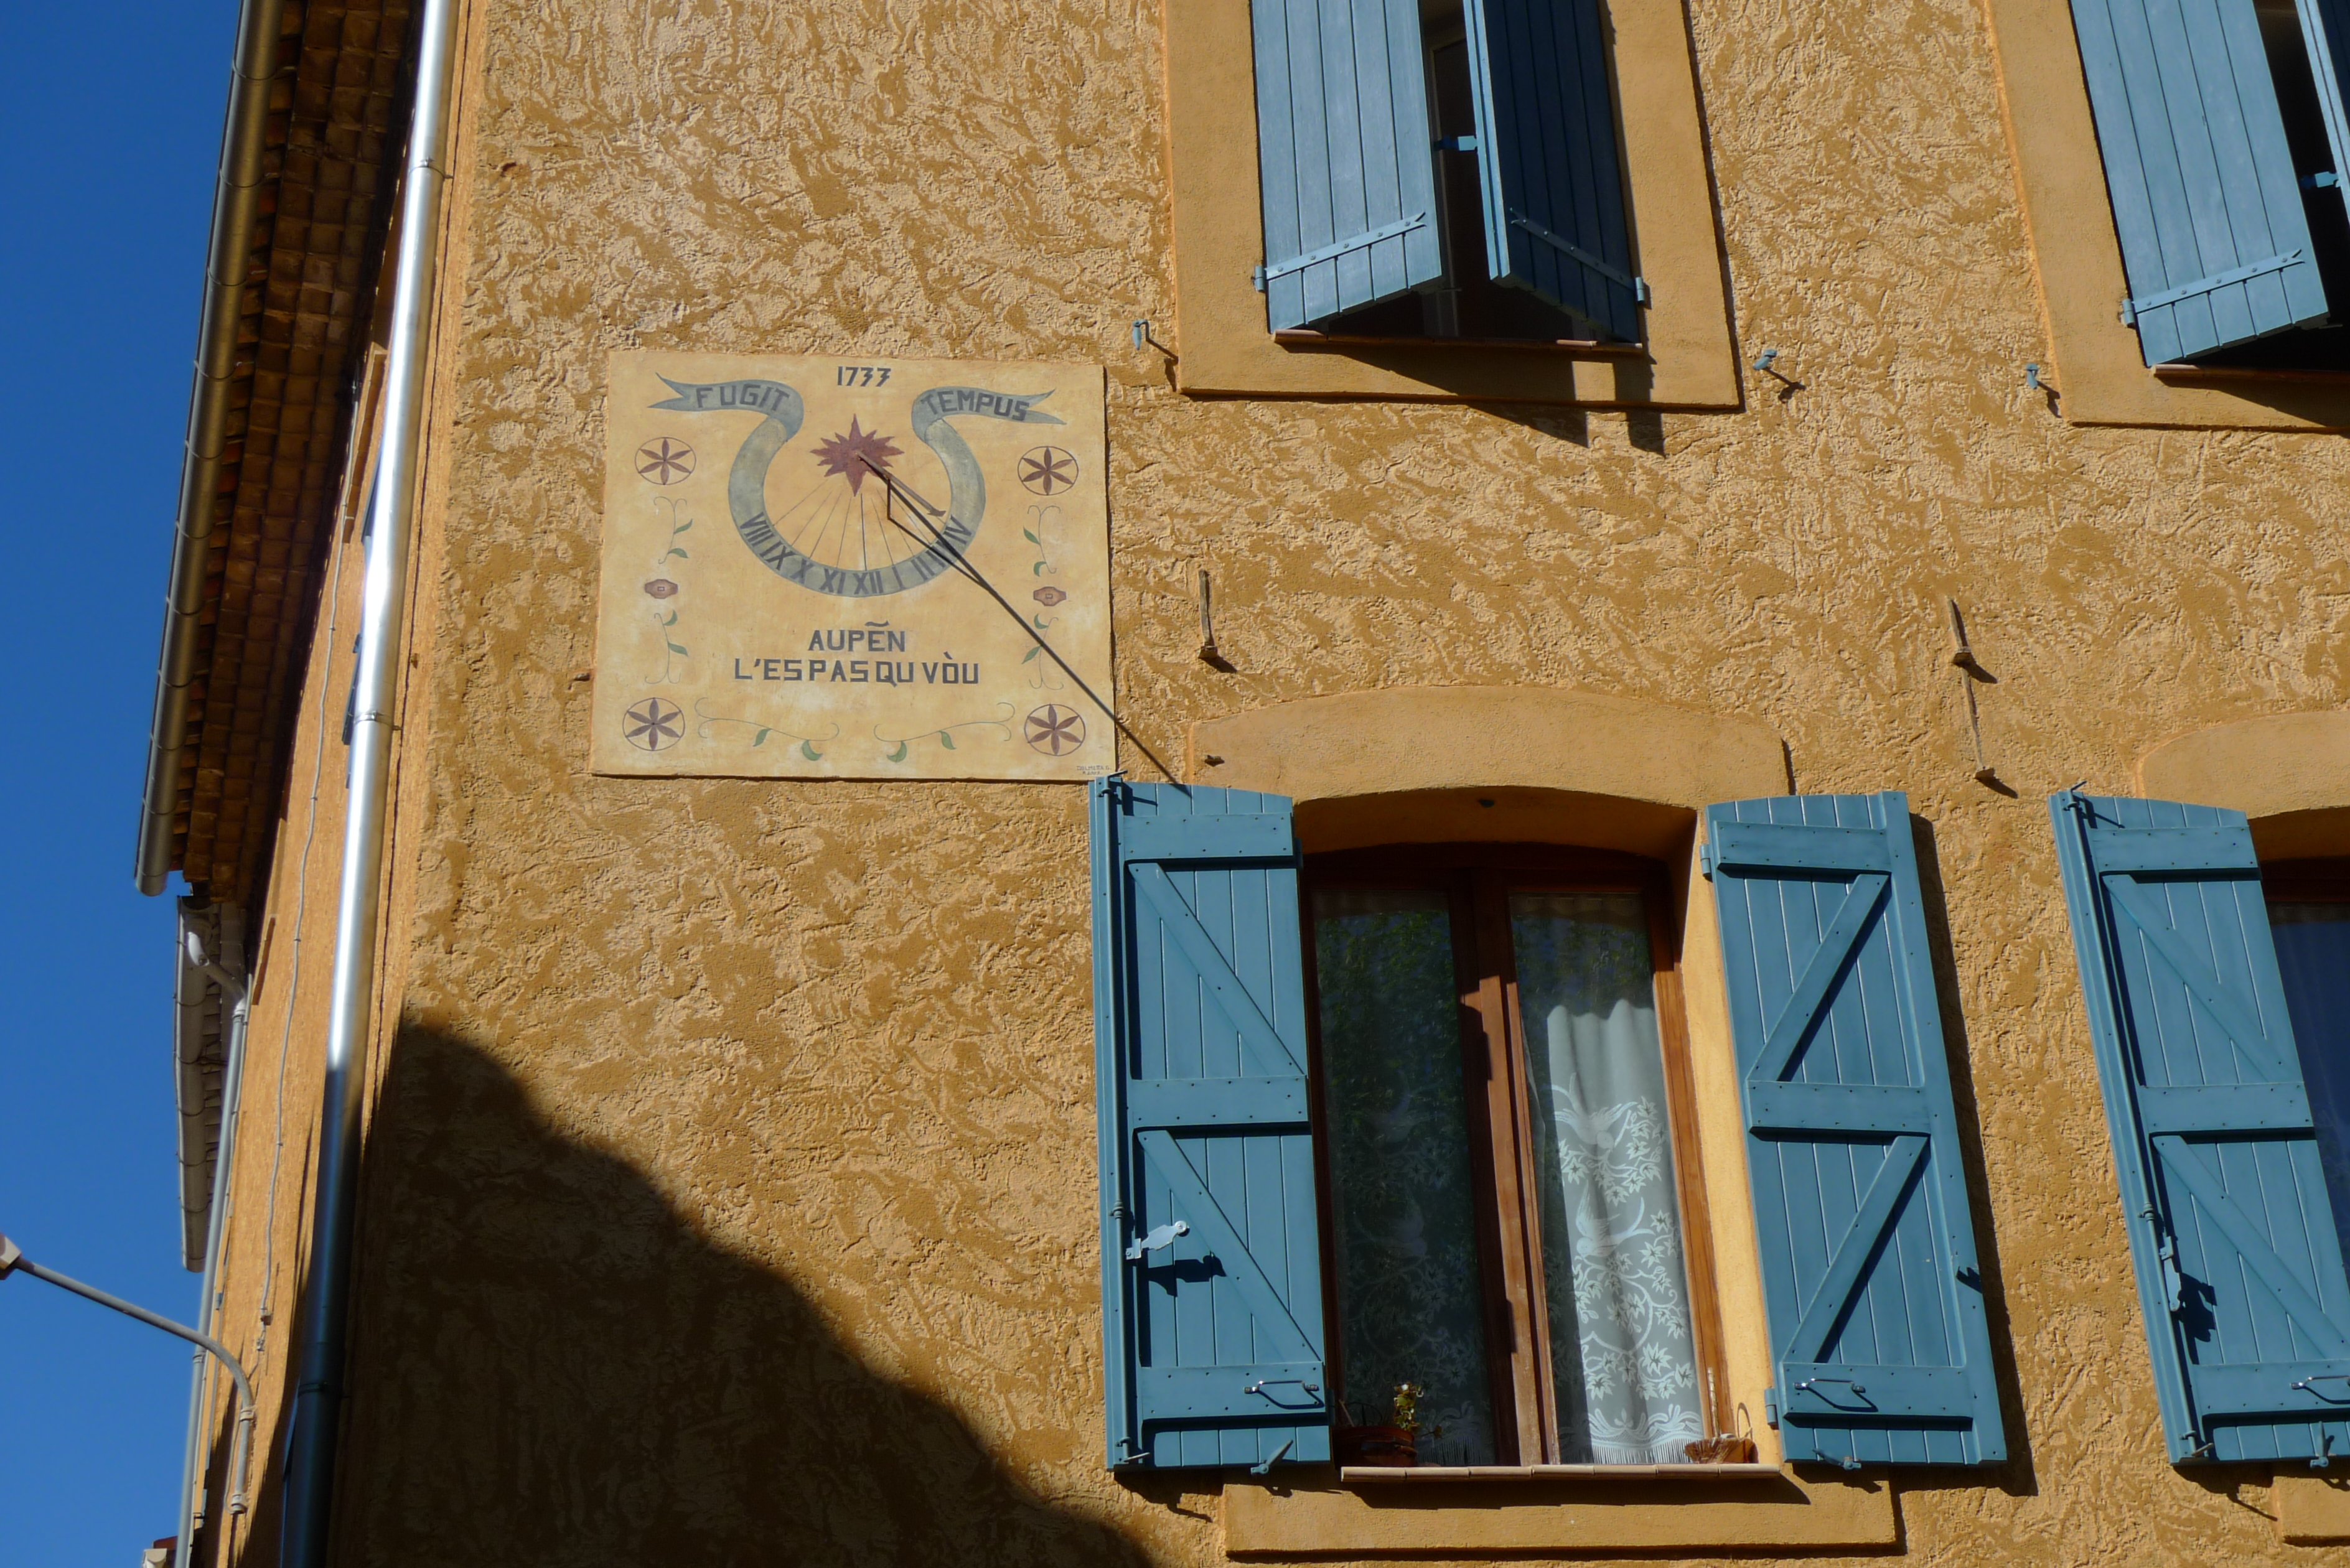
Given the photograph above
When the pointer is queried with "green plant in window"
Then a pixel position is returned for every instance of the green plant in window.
(1406, 1406)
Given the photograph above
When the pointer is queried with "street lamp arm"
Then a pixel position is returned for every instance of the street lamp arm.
(13, 1261)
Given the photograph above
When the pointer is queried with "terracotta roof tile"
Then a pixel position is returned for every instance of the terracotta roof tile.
(331, 116)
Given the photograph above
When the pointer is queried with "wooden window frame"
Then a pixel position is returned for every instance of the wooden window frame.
(2313, 881)
(1477, 879)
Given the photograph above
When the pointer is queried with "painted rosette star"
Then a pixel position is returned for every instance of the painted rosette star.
(653, 724)
(1047, 470)
(663, 461)
(848, 454)
(1056, 730)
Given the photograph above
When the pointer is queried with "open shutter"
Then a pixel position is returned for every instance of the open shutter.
(2326, 28)
(1348, 167)
(2239, 1268)
(1870, 1288)
(1212, 1272)
(1554, 193)
(2214, 235)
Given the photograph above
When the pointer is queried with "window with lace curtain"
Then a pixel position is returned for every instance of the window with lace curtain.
(1515, 1222)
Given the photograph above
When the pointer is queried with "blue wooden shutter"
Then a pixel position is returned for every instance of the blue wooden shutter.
(2238, 1267)
(1870, 1287)
(2214, 236)
(1554, 193)
(1212, 1269)
(1345, 153)
(2326, 28)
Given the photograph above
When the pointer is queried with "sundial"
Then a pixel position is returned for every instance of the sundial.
(789, 542)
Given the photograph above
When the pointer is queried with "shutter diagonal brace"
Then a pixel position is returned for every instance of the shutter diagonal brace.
(1870, 1224)
(1218, 1235)
(2259, 1256)
(2258, 1052)
(1216, 975)
(1828, 960)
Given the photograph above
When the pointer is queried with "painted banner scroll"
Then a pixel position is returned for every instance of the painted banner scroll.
(780, 596)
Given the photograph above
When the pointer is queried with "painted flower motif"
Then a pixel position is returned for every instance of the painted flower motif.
(1048, 595)
(661, 588)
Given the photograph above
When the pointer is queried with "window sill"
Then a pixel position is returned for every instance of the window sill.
(1377, 1475)
(1580, 348)
(2253, 373)
(1316, 1514)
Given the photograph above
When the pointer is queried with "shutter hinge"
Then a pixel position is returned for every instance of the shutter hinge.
(1771, 1408)
(1456, 144)
(1707, 861)
(1338, 248)
(2133, 308)
(2328, 181)
(1581, 257)
(1265, 1467)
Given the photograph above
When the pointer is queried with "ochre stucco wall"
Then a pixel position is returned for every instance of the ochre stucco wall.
(732, 1182)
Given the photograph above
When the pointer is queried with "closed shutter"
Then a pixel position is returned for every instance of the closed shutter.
(1347, 170)
(1871, 1291)
(1211, 1281)
(2214, 236)
(1554, 192)
(2239, 1268)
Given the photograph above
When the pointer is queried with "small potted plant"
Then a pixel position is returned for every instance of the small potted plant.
(1393, 1446)
(1724, 1448)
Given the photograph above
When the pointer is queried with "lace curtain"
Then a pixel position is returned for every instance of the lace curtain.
(1411, 1298)
(1622, 1356)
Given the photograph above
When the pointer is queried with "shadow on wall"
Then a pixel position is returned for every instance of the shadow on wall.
(2016, 1477)
(556, 1368)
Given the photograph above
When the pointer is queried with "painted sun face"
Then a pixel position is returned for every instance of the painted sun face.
(856, 455)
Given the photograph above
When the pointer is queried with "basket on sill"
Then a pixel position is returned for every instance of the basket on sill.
(1393, 1447)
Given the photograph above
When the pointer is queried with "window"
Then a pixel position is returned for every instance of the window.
(1487, 1148)
(1441, 169)
(1296, 126)
(1505, 1106)
(2222, 129)
(2309, 917)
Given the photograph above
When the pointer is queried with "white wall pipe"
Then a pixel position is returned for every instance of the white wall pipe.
(317, 1419)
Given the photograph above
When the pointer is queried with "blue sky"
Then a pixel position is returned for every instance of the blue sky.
(108, 134)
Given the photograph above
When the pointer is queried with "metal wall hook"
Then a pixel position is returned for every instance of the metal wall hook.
(1209, 654)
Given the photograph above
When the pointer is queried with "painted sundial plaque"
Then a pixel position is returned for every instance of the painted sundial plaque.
(782, 595)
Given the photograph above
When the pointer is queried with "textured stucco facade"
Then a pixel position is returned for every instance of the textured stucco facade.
(730, 1188)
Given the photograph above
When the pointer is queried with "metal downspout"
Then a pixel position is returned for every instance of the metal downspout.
(192, 1480)
(316, 1418)
(237, 202)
